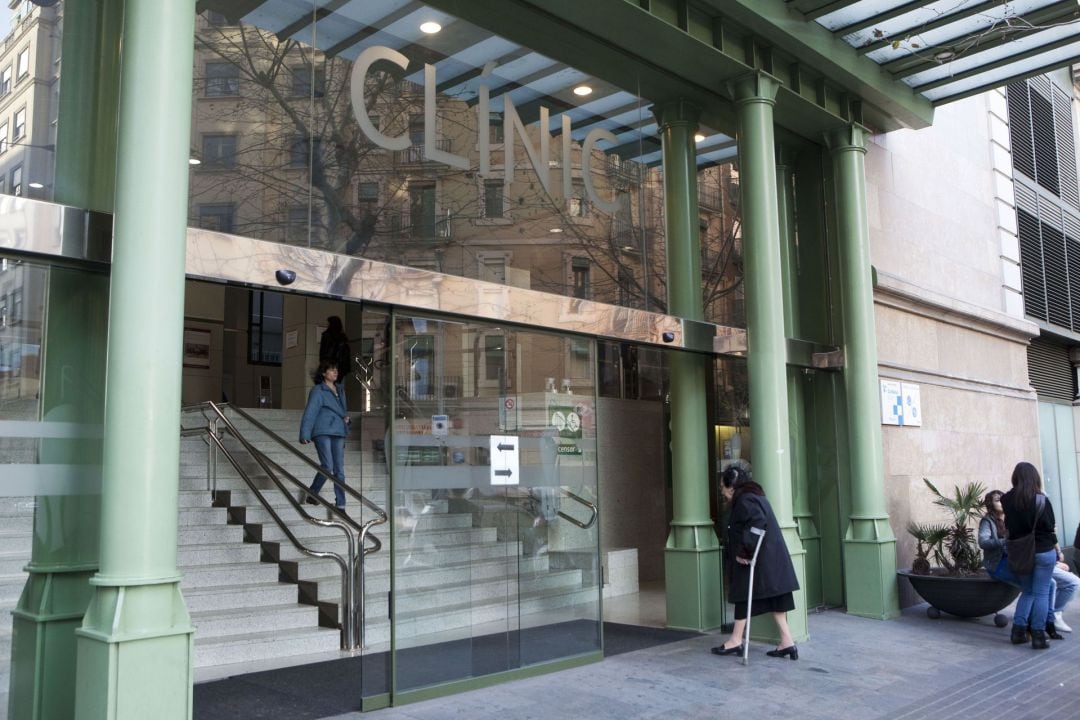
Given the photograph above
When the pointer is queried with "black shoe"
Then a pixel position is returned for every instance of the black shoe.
(310, 499)
(790, 651)
(721, 650)
(1019, 635)
(1038, 640)
(1052, 633)
(341, 510)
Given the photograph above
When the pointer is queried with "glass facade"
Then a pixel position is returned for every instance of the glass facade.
(352, 129)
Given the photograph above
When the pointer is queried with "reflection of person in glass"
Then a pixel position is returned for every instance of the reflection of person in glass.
(326, 423)
(774, 575)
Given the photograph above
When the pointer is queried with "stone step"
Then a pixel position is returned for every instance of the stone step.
(202, 534)
(203, 515)
(283, 550)
(215, 553)
(16, 507)
(195, 498)
(229, 597)
(218, 574)
(270, 532)
(316, 567)
(245, 620)
(264, 645)
(13, 562)
(17, 541)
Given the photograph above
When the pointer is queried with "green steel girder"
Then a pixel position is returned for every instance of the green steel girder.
(695, 63)
(887, 104)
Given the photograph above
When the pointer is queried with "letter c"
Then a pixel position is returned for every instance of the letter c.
(359, 75)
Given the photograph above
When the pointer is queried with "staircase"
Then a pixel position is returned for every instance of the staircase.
(254, 598)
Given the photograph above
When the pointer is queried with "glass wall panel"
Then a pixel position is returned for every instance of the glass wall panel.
(29, 97)
(495, 500)
(51, 412)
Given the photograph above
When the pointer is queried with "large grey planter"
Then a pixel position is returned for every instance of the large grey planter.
(969, 596)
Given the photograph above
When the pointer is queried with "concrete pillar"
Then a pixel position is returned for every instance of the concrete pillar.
(869, 544)
(755, 96)
(134, 650)
(692, 556)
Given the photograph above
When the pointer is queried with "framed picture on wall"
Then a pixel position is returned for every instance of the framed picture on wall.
(197, 348)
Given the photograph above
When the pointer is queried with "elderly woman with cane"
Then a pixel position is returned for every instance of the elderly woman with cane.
(774, 579)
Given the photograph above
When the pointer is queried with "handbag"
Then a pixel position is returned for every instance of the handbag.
(1021, 551)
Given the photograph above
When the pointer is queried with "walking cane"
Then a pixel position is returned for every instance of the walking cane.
(760, 532)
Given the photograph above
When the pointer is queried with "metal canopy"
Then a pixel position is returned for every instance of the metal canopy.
(949, 49)
(459, 52)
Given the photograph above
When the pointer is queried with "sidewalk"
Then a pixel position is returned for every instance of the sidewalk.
(903, 669)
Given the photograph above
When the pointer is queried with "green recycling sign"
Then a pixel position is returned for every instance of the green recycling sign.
(567, 422)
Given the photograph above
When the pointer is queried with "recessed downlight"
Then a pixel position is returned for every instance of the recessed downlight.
(699, 137)
(430, 27)
(194, 161)
(582, 90)
(36, 185)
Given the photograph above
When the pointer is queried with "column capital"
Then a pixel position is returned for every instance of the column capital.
(676, 112)
(756, 87)
(850, 137)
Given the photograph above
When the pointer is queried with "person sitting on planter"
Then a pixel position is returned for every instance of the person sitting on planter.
(1063, 584)
(1028, 513)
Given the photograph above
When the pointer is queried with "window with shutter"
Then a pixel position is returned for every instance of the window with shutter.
(1042, 130)
(1031, 265)
(1020, 128)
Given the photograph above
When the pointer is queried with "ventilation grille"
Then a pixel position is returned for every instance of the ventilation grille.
(1020, 128)
(1066, 147)
(1050, 371)
(1031, 265)
(1044, 136)
(1057, 276)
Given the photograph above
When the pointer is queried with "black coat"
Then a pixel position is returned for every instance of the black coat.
(774, 574)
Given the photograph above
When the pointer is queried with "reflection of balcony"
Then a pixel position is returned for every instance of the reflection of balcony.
(414, 155)
(426, 229)
(623, 173)
(626, 237)
(708, 197)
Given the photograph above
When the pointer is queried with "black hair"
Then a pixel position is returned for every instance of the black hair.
(1026, 483)
(739, 477)
(318, 375)
(988, 503)
(334, 325)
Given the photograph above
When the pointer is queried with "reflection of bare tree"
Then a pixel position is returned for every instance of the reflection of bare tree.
(284, 159)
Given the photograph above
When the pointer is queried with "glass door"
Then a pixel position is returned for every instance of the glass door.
(493, 496)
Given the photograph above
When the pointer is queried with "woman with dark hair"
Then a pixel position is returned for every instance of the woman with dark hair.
(1029, 512)
(992, 535)
(326, 423)
(334, 346)
(774, 575)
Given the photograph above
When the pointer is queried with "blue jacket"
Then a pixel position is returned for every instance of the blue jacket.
(324, 414)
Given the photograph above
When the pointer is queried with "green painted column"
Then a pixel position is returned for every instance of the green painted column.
(57, 591)
(134, 650)
(770, 439)
(869, 543)
(692, 556)
(786, 162)
(85, 169)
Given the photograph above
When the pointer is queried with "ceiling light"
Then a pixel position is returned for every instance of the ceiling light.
(194, 161)
(945, 55)
(555, 230)
(430, 27)
(699, 137)
(583, 90)
(36, 185)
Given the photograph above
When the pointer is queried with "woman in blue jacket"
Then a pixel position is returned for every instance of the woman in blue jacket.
(326, 423)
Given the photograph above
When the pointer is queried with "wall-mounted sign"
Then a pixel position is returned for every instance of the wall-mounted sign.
(292, 339)
(900, 403)
(440, 425)
(504, 459)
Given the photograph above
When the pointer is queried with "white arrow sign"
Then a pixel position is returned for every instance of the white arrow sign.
(504, 459)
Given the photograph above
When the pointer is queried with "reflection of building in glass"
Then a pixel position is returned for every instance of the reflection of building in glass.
(22, 296)
(280, 156)
(29, 99)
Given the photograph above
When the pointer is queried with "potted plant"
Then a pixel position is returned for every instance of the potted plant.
(956, 582)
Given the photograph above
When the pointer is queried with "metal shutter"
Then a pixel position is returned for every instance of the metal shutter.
(1031, 265)
(1020, 128)
(1050, 371)
(1043, 134)
(1057, 276)
(1066, 147)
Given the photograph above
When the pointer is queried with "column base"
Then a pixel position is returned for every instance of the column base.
(811, 542)
(135, 653)
(50, 610)
(692, 577)
(762, 628)
(870, 587)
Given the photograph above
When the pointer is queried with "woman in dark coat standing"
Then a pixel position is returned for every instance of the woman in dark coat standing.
(334, 346)
(774, 575)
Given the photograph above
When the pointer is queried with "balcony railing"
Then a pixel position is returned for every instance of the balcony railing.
(428, 229)
(708, 197)
(624, 173)
(415, 155)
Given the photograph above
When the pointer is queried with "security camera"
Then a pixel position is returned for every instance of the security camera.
(668, 337)
(285, 277)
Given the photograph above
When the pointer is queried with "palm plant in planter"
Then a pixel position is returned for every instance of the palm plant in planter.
(956, 583)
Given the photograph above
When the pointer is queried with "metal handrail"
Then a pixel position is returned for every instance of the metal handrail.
(586, 503)
(355, 606)
(213, 440)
